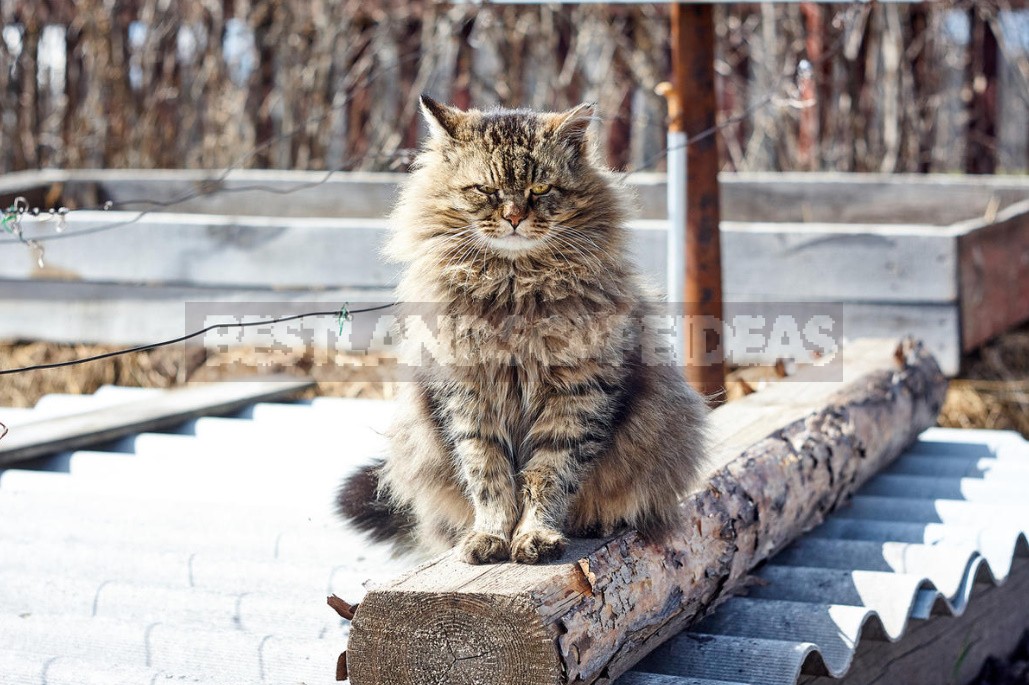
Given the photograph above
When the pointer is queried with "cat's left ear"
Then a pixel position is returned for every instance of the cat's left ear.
(573, 123)
(443, 121)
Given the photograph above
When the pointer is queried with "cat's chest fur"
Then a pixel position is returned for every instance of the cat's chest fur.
(541, 321)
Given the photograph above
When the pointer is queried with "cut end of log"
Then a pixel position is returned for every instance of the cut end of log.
(415, 637)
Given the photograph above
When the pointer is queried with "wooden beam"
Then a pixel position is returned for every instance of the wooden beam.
(837, 197)
(765, 260)
(164, 411)
(992, 257)
(781, 460)
(693, 64)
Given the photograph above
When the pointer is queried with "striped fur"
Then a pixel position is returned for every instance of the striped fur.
(550, 412)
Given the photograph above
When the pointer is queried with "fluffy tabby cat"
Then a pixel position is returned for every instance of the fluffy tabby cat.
(551, 414)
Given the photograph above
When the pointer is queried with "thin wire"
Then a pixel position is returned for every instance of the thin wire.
(709, 131)
(766, 100)
(343, 312)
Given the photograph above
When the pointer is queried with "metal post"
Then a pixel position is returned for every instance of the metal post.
(677, 191)
(693, 64)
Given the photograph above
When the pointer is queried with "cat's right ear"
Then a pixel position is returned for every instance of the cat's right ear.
(443, 120)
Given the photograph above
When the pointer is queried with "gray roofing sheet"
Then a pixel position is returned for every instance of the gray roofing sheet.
(203, 555)
(914, 543)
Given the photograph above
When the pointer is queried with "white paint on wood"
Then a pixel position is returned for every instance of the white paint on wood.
(209, 250)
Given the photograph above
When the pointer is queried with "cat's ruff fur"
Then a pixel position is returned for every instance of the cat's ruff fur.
(551, 413)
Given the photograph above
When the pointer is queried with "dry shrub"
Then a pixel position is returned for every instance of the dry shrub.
(334, 83)
(999, 405)
(166, 367)
(994, 389)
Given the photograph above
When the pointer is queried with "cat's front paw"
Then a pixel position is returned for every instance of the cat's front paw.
(537, 546)
(483, 548)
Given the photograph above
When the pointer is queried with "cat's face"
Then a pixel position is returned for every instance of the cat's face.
(514, 182)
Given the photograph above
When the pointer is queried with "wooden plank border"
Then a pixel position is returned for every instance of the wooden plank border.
(838, 197)
(994, 275)
(164, 411)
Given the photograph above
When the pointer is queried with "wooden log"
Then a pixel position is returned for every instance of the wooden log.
(782, 459)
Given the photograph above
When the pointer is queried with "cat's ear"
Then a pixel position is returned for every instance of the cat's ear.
(443, 120)
(573, 123)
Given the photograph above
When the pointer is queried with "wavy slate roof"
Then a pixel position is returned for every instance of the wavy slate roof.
(949, 515)
(203, 554)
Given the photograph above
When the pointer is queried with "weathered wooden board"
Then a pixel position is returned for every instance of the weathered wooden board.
(209, 250)
(762, 262)
(934, 199)
(778, 468)
(839, 262)
(946, 649)
(244, 192)
(994, 275)
(749, 196)
(936, 325)
(163, 411)
(120, 314)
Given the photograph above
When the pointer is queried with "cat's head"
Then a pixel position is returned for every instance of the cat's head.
(510, 183)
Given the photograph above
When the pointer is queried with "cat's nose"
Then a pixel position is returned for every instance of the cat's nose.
(514, 216)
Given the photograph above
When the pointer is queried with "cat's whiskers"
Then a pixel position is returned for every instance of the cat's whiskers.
(459, 255)
(461, 243)
(580, 233)
(592, 264)
(464, 255)
(587, 241)
(588, 250)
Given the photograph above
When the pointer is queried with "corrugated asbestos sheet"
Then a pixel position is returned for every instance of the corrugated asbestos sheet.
(203, 555)
(197, 556)
(948, 516)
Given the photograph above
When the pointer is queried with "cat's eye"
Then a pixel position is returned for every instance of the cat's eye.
(540, 189)
(486, 190)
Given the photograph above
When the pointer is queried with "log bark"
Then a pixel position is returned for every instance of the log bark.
(782, 459)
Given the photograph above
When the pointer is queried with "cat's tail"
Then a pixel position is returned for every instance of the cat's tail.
(361, 502)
